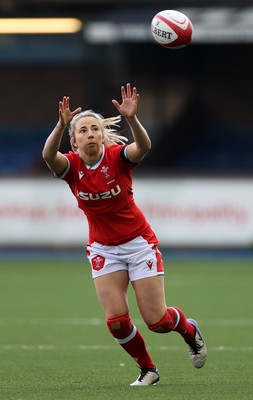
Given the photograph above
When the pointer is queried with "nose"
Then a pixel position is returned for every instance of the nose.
(90, 134)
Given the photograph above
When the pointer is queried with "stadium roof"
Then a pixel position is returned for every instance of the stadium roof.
(11, 5)
(214, 21)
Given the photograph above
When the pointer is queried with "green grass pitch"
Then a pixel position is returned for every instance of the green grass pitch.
(54, 343)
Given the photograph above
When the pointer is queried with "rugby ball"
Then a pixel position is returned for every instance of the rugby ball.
(172, 29)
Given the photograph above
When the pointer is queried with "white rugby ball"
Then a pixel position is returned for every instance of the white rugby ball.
(172, 29)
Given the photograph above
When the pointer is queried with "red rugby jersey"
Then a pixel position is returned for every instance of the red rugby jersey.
(104, 193)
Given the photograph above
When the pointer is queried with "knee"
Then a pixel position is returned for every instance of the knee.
(167, 323)
(121, 328)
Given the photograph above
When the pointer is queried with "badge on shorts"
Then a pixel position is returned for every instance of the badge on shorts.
(98, 263)
(149, 264)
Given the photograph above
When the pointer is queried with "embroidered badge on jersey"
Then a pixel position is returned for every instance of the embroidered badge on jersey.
(109, 177)
(105, 170)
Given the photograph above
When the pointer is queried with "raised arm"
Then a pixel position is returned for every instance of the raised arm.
(54, 159)
(128, 109)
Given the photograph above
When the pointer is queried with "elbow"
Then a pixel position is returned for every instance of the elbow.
(148, 146)
(44, 155)
(145, 150)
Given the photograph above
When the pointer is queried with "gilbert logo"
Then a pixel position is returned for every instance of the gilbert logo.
(149, 264)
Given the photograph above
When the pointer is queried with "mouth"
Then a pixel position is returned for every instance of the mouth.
(91, 146)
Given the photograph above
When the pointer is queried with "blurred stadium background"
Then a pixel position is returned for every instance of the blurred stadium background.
(195, 187)
(196, 104)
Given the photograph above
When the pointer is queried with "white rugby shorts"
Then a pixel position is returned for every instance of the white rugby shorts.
(140, 258)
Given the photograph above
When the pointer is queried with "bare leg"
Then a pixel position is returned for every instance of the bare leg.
(112, 293)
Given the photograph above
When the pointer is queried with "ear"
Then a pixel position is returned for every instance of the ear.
(73, 143)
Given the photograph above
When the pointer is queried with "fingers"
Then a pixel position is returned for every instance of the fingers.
(128, 92)
(77, 110)
(116, 104)
(123, 92)
(64, 103)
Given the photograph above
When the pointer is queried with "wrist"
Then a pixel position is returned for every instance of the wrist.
(60, 124)
(131, 119)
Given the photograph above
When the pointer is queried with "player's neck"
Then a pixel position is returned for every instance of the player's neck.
(92, 159)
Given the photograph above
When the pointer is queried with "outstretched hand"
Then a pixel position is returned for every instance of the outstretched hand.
(65, 115)
(130, 100)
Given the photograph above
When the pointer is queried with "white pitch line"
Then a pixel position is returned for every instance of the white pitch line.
(52, 321)
(100, 321)
(39, 347)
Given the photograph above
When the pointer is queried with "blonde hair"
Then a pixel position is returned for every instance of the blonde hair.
(111, 136)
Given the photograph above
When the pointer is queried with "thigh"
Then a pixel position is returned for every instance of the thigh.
(145, 259)
(150, 298)
(112, 293)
